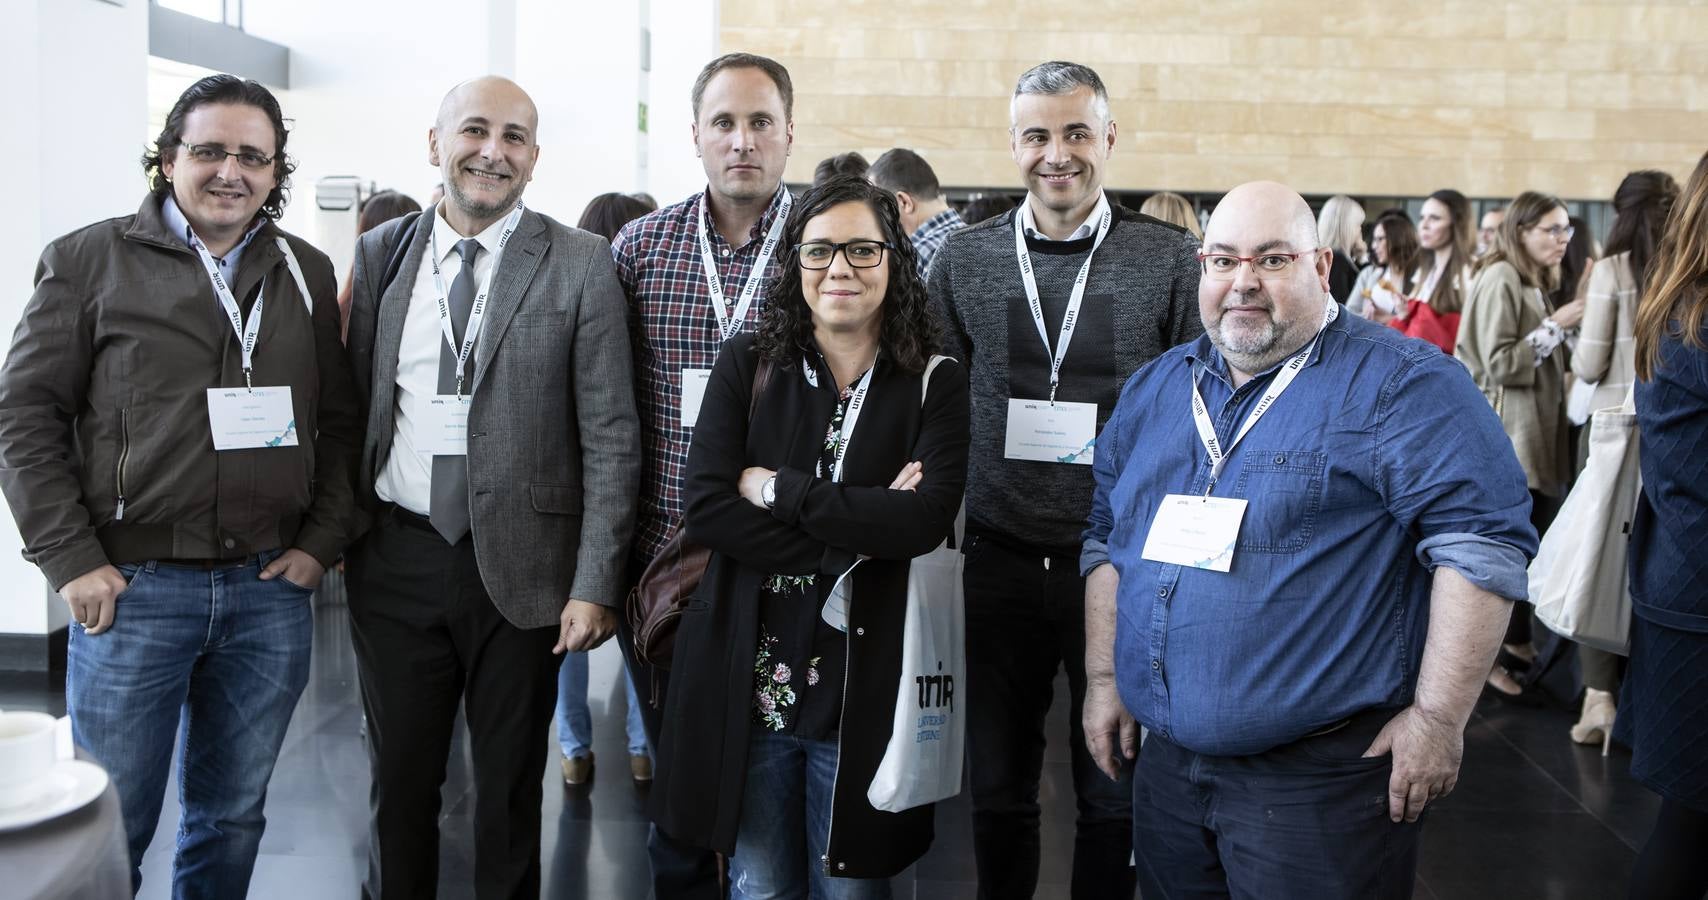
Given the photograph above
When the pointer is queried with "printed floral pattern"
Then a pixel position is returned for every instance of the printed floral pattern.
(773, 696)
(783, 584)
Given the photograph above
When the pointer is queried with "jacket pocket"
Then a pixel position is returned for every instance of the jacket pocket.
(556, 499)
(119, 467)
(1285, 490)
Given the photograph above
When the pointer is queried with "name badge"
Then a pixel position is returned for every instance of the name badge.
(1058, 433)
(442, 426)
(835, 611)
(1195, 531)
(694, 383)
(243, 419)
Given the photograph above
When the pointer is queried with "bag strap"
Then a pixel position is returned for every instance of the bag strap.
(959, 535)
(296, 274)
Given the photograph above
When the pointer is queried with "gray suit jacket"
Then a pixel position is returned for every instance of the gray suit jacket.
(553, 439)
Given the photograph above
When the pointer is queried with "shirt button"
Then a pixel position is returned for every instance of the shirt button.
(1162, 592)
(841, 866)
(1156, 664)
(229, 543)
(1280, 460)
(861, 632)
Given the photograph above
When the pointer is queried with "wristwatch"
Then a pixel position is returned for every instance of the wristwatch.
(768, 492)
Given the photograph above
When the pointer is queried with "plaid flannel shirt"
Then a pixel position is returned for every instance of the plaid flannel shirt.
(672, 328)
(930, 236)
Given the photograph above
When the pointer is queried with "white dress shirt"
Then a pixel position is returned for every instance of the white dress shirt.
(1087, 228)
(407, 478)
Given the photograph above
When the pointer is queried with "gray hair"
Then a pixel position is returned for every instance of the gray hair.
(1057, 77)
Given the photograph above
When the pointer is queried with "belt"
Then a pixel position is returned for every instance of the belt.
(411, 519)
(207, 564)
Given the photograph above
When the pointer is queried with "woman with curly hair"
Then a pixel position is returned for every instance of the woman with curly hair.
(830, 451)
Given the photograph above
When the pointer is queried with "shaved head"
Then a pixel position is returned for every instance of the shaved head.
(488, 88)
(1271, 303)
(1266, 206)
(484, 143)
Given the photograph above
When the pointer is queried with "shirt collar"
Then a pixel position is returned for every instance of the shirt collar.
(448, 236)
(1086, 228)
(179, 226)
(948, 218)
(702, 212)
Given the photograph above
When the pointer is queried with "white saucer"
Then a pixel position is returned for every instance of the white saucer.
(75, 784)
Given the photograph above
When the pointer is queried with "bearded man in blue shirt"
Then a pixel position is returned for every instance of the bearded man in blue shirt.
(1305, 542)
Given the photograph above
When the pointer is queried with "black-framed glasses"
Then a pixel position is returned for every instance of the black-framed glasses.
(215, 154)
(860, 254)
(1224, 266)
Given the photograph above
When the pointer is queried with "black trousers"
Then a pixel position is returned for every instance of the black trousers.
(428, 637)
(1026, 620)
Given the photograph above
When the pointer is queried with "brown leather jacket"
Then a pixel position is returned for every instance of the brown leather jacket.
(106, 455)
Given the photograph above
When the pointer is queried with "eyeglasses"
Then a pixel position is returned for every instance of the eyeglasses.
(215, 154)
(1559, 232)
(1224, 266)
(860, 254)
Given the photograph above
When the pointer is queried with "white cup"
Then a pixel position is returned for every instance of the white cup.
(27, 755)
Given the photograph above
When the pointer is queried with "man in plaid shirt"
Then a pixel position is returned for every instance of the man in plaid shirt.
(674, 265)
(925, 212)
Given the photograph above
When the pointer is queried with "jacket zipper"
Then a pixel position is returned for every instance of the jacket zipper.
(841, 720)
(124, 456)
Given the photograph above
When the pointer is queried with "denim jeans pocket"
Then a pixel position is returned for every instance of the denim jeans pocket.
(1344, 747)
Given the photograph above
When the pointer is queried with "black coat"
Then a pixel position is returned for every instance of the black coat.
(816, 527)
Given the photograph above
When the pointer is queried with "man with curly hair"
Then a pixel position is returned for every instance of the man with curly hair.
(178, 435)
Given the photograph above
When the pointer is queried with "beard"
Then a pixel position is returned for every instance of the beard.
(1254, 346)
(483, 205)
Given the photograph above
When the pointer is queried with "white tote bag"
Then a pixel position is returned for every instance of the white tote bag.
(1578, 581)
(922, 763)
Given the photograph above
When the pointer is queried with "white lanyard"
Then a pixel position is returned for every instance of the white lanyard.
(246, 334)
(1071, 317)
(729, 324)
(1283, 379)
(477, 313)
(849, 419)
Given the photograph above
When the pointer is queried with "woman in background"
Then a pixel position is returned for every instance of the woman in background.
(1448, 237)
(1174, 209)
(1384, 285)
(605, 215)
(1664, 708)
(1340, 227)
(1513, 343)
(378, 209)
(1605, 360)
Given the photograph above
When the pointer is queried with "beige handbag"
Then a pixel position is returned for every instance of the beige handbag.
(1578, 581)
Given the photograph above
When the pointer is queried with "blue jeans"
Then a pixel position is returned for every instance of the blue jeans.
(226, 655)
(785, 825)
(575, 720)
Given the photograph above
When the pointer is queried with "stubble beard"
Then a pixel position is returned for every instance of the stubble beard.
(1252, 349)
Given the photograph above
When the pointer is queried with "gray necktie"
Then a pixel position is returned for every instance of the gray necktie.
(449, 509)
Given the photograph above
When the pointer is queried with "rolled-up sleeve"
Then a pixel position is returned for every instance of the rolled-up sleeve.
(1448, 473)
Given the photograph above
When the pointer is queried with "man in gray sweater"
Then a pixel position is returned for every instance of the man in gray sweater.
(1052, 307)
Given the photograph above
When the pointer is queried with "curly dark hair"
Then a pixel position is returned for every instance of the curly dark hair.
(222, 89)
(907, 334)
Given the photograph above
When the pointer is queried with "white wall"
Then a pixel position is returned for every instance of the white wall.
(684, 39)
(75, 74)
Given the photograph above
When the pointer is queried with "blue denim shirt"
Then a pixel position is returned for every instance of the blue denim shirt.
(1379, 463)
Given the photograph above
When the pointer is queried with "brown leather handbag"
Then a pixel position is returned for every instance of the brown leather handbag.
(656, 602)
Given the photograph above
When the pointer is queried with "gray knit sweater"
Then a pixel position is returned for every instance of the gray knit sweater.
(1141, 299)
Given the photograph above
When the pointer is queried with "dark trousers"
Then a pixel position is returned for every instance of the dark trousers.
(679, 871)
(1307, 819)
(426, 637)
(1026, 619)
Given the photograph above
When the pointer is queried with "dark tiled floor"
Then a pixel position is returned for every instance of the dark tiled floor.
(1534, 815)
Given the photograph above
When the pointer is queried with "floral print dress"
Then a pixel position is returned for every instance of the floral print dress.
(798, 666)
